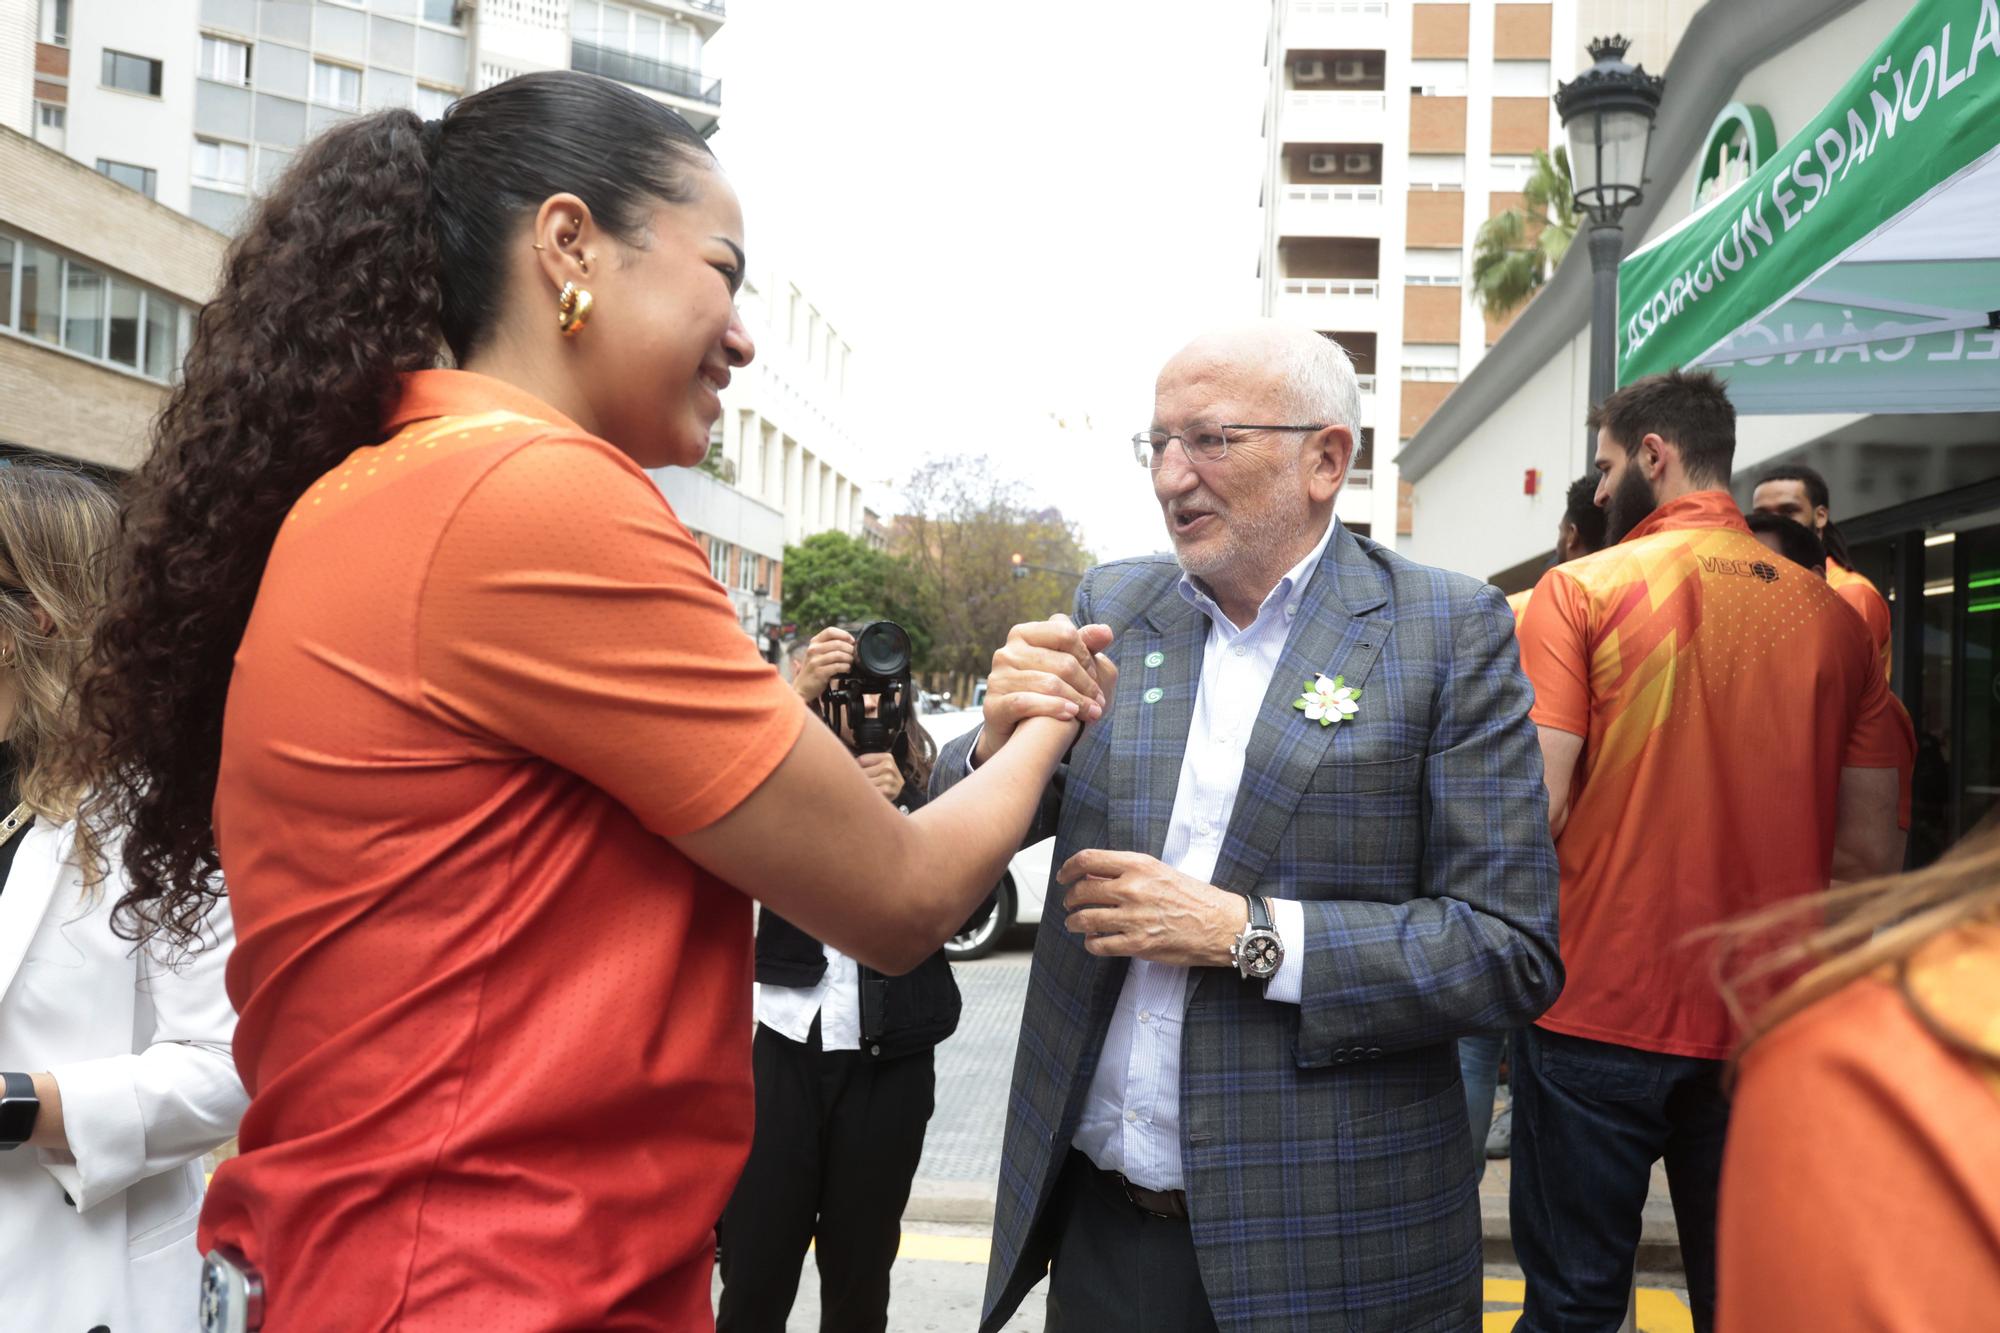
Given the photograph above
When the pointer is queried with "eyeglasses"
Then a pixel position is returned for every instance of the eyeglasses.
(1201, 443)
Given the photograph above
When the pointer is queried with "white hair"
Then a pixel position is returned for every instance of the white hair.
(1319, 384)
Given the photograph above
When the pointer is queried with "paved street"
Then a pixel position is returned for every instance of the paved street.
(940, 1274)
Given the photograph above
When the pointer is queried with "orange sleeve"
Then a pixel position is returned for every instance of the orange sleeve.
(1555, 652)
(1843, 1204)
(1866, 599)
(1882, 736)
(569, 614)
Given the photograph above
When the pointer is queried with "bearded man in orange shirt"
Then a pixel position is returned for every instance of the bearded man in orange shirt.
(1716, 737)
(1800, 493)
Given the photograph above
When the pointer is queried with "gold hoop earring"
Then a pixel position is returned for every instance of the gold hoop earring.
(572, 309)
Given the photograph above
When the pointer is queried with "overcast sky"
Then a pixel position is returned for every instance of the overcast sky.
(1013, 215)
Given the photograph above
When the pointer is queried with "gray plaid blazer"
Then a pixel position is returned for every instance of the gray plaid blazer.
(1325, 1146)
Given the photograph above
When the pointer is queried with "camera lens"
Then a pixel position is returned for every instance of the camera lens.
(882, 649)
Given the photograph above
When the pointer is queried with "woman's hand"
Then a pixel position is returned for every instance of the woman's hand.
(831, 653)
(881, 770)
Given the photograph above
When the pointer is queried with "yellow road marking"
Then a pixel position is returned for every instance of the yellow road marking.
(1660, 1311)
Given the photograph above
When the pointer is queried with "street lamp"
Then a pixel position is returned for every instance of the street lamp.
(1608, 112)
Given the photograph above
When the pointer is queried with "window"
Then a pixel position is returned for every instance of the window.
(651, 36)
(221, 166)
(443, 12)
(51, 115)
(336, 85)
(123, 330)
(55, 22)
(1433, 268)
(39, 277)
(225, 61)
(1437, 78)
(133, 74)
(746, 571)
(432, 103)
(63, 302)
(1430, 361)
(1521, 78)
(142, 179)
(83, 309)
(1434, 169)
(718, 561)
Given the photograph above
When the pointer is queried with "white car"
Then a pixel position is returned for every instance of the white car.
(1017, 898)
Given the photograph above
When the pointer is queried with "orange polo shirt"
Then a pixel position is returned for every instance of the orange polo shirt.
(1719, 693)
(1860, 592)
(1861, 1188)
(494, 1025)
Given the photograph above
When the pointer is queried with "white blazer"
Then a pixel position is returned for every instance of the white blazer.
(102, 1236)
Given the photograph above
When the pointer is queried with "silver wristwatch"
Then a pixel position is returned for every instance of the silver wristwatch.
(1258, 951)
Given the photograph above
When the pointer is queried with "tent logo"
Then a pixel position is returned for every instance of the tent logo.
(1740, 141)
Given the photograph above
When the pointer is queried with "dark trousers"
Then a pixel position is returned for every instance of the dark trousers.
(1479, 1065)
(1117, 1268)
(837, 1142)
(1590, 1119)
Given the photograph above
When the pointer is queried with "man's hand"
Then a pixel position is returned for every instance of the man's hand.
(881, 770)
(831, 653)
(1132, 906)
(1049, 668)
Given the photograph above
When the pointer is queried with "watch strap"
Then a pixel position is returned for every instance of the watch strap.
(1260, 912)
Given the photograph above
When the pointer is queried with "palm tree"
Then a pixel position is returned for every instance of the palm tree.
(1516, 251)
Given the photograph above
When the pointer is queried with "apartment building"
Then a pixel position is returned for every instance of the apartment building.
(1392, 132)
(192, 107)
(200, 104)
(98, 290)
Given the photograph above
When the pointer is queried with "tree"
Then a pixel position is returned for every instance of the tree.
(833, 579)
(1517, 251)
(959, 540)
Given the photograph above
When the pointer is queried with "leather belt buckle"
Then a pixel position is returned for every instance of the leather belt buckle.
(1168, 1204)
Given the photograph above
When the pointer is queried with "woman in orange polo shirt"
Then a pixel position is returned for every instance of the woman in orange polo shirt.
(1861, 1184)
(424, 661)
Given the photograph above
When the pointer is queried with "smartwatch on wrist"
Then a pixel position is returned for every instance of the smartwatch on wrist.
(1258, 951)
(19, 1109)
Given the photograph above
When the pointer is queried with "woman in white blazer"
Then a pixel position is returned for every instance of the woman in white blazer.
(118, 1075)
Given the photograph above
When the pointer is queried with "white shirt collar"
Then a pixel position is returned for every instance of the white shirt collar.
(1290, 590)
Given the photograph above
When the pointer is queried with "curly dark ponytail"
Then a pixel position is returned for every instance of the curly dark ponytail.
(380, 248)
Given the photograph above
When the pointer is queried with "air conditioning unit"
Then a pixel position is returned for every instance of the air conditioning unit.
(1309, 71)
(1359, 163)
(1350, 71)
(1323, 164)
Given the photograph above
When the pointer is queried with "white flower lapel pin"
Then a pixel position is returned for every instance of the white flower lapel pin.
(1328, 701)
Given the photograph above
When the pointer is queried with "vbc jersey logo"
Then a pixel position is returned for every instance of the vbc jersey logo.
(1748, 569)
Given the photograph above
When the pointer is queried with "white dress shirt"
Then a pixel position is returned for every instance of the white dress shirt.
(836, 1001)
(1132, 1115)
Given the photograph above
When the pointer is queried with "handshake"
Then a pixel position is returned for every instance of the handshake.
(1048, 668)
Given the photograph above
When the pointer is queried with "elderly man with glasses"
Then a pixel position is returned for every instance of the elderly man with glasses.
(1302, 848)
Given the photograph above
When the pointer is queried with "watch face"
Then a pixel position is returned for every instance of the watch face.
(1263, 954)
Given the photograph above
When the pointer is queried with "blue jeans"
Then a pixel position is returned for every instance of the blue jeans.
(1479, 1066)
(1590, 1119)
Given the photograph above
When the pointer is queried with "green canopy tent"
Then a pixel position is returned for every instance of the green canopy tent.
(1858, 270)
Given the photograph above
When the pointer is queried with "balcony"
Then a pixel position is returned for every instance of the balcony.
(1349, 23)
(1330, 303)
(709, 15)
(1330, 210)
(644, 72)
(1352, 117)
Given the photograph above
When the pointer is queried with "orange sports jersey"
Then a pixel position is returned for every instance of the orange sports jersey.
(1719, 693)
(1860, 592)
(495, 1027)
(1518, 603)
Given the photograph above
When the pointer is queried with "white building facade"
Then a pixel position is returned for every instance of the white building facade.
(1392, 132)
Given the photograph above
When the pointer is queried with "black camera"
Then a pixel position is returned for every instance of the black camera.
(882, 668)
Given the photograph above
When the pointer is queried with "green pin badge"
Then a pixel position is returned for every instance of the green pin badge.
(1154, 659)
(1155, 694)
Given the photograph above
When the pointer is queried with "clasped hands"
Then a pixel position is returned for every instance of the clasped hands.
(1124, 904)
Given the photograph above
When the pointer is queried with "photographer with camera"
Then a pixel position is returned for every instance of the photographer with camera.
(843, 1055)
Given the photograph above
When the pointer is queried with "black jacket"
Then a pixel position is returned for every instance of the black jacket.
(899, 1015)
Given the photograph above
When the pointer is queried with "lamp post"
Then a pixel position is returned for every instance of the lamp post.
(1608, 112)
